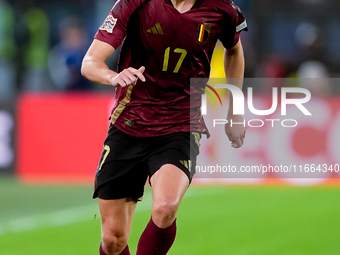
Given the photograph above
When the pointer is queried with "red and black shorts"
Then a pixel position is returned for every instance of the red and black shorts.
(127, 161)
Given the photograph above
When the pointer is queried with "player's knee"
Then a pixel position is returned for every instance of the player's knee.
(114, 242)
(163, 214)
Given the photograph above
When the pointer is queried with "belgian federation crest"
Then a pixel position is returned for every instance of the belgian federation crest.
(203, 32)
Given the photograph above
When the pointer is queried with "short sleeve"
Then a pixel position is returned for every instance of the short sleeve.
(235, 22)
(113, 28)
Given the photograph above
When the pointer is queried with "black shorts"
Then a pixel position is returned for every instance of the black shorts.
(127, 161)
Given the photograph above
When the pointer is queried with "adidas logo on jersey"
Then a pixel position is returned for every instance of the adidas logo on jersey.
(156, 29)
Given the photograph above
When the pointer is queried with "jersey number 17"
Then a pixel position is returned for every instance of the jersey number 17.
(183, 53)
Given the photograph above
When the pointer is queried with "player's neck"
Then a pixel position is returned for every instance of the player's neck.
(183, 5)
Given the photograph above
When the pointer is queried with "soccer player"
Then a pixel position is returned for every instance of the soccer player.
(154, 129)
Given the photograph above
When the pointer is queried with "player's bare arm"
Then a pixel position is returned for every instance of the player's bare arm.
(234, 70)
(95, 69)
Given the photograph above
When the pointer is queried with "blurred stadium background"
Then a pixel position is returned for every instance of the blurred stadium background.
(53, 123)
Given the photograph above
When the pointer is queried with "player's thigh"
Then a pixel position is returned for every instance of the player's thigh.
(169, 184)
(116, 216)
(172, 167)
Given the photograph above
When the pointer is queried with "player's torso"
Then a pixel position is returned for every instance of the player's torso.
(175, 45)
(162, 26)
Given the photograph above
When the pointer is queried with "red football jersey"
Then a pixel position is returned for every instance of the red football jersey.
(173, 47)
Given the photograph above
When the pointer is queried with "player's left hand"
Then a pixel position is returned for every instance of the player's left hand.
(235, 132)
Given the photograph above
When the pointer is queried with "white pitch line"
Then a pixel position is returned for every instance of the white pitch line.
(71, 215)
(57, 218)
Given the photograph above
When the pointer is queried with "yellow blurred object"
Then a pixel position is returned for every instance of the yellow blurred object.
(217, 69)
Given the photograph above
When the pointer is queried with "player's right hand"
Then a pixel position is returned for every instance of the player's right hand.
(236, 133)
(128, 77)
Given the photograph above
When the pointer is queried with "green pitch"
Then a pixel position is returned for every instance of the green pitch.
(65, 220)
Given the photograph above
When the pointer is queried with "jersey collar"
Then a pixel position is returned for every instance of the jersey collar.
(196, 5)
